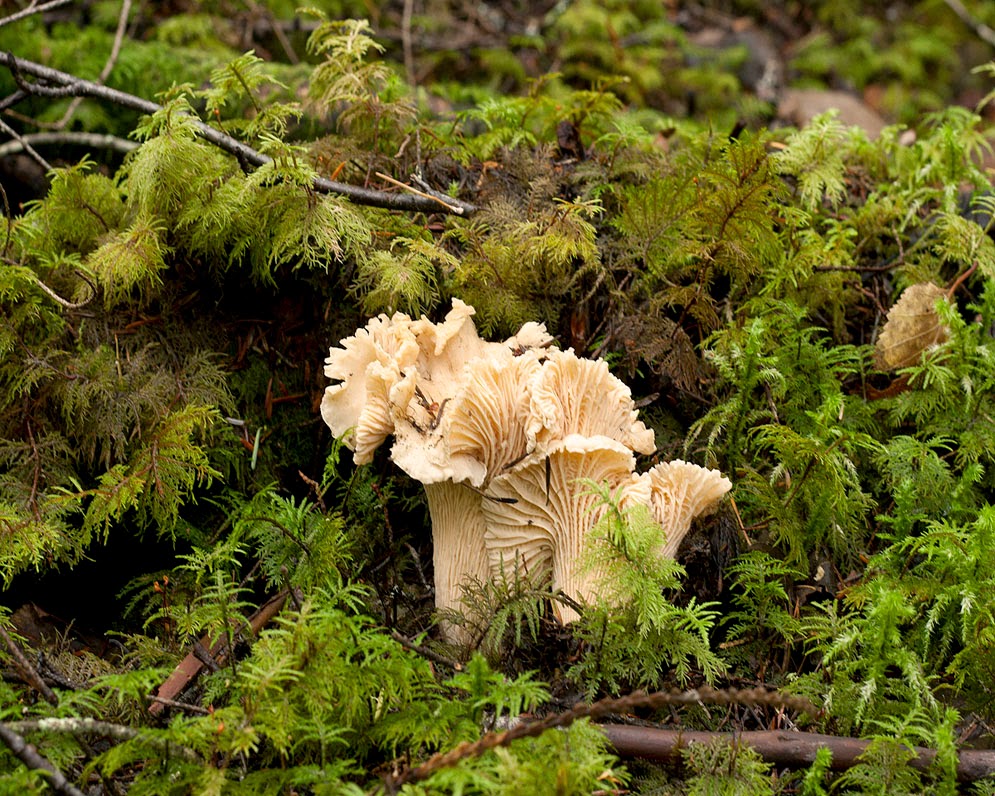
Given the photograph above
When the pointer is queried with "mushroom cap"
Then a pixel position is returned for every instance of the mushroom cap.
(538, 528)
(485, 422)
(570, 395)
(420, 427)
(471, 404)
(367, 365)
(679, 492)
(445, 348)
(386, 389)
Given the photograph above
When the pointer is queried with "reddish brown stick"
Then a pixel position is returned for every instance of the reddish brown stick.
(187, 669)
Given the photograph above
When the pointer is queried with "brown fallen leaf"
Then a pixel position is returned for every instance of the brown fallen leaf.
(913, 325)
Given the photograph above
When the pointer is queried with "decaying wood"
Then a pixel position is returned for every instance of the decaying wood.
(782, 748)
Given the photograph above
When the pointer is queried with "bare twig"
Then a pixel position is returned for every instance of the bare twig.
(90, 140)
(26, 670)
(32, 10)
(10, 224)
(68, 85)
(409, 58)
(13, 99)
(425, 652)
(983, 32)
(28, 755)
(452, 208)
(69, 305)
(25, 145)
(316, 487)
(869, 269)
(264, 13)
(174, 703)
(416, 560)
(960, 280)
(106, 729)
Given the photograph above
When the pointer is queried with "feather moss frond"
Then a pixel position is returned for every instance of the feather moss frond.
(406, 278)
(129, 264)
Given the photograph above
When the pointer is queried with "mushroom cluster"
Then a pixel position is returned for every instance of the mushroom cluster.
(503, 435)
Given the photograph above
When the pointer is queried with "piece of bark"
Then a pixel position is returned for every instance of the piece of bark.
(780, 747)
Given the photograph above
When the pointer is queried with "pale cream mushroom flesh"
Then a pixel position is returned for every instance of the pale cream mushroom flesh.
(367, 367)
(503, 436)
(411, 379)
(571, 395)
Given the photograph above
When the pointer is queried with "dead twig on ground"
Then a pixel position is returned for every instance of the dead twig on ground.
(56, 83)
(26, 670)
(28, 755)
(603, 707)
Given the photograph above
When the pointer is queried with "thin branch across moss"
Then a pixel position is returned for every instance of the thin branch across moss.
(63, 84)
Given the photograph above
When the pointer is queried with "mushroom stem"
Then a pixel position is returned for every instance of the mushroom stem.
(458, 539)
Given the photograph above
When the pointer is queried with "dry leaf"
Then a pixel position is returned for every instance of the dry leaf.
(913, 325)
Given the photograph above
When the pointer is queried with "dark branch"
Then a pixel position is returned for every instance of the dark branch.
(789, 749)
(68, 85)
(26, 670)
(603, 707)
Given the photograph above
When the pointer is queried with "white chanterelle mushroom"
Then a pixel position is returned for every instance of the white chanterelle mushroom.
(455, 405)
(504, 436)
(571, 395)
(367, 367)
